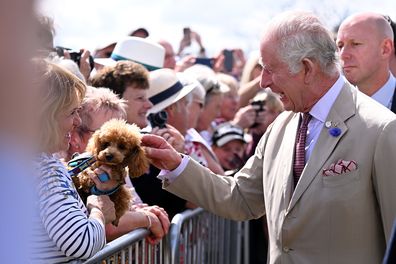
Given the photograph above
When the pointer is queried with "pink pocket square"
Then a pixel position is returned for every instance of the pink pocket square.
(340, 167)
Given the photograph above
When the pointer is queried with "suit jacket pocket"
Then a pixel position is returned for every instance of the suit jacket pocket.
(340, 180)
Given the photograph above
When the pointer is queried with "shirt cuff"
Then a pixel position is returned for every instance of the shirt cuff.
(171, 176)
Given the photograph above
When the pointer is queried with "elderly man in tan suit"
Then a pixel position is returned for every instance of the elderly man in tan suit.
(339, 206)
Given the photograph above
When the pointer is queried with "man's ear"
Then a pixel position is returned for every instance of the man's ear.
(170, 110)
(387, 48)
(309, 69)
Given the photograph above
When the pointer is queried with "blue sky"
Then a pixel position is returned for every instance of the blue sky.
(221, 24)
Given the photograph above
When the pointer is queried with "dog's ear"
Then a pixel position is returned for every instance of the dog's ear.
(138, 163)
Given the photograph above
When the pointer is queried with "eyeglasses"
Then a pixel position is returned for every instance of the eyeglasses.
(264, 67)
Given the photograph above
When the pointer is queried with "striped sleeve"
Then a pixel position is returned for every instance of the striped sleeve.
(64, 215)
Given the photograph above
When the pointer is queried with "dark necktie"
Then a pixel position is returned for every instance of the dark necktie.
(299, 157)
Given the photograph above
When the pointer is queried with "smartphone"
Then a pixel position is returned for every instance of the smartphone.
(205, 61)
(187, 35)
(228, 60)
(186, 31)
(259, 106)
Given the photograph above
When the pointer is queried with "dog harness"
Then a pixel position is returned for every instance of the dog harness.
(82, 161)
(79, 163)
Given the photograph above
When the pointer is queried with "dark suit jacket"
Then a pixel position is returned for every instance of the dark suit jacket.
(390, 255)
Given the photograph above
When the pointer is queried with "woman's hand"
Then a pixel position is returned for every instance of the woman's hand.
(172, 136)
(184, 63)
(158, 231)
(104, 205)
(245, 117)
(85, 67)
(161, 214)
(263, 120)
(102, 185)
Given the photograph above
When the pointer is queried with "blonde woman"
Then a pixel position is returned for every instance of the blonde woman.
(65, 230)
(98, 106)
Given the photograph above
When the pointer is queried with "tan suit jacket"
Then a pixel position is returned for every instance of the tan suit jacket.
(327, 219)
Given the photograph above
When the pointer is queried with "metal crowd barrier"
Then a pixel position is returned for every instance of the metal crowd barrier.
(130, 248)
(196, 236)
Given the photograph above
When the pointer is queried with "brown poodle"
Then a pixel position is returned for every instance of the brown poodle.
(117, 145)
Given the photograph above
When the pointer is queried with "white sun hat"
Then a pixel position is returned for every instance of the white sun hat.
(166, 89)
(140, 50)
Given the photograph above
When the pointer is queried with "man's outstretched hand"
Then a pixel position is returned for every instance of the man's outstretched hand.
(161, 153)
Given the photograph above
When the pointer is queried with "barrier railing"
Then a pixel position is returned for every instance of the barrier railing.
(195, 236)
(198, 236)
(130, 248)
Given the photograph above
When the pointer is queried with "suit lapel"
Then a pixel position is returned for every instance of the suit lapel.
(288, 155)
(342, 109)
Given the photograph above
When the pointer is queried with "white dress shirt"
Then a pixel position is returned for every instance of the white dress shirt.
(384, 95)
(319, 113)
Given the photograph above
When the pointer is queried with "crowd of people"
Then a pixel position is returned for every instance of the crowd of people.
(194, 106)
(297, 136)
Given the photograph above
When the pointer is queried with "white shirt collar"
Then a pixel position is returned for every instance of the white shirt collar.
(385, 94)
(322, 107)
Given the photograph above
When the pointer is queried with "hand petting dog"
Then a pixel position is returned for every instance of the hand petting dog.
(117, 151)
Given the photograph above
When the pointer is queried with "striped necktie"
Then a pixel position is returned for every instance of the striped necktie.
(299, 151)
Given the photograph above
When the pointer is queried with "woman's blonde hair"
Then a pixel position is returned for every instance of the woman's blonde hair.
(230, 81)
(59, 90)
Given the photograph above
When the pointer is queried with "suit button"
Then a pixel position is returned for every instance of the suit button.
(286, 249)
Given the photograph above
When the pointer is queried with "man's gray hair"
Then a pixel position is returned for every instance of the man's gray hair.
(302, 35)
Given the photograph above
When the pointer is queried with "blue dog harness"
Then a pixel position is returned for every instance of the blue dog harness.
(82, 161)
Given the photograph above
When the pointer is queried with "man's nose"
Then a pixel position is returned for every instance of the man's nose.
(266, 79)
(344, 53)
(148, 104)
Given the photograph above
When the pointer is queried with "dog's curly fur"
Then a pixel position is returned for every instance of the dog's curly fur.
(117, 145)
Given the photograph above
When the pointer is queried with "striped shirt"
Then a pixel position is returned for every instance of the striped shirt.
(63, 231)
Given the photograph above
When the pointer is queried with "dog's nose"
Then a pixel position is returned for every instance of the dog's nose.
(109, 157)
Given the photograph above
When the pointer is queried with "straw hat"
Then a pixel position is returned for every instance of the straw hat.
(143, 51)
(166, 89)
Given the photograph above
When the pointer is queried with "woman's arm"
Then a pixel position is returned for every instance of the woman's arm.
(248, 91)
(64, 216)
(153, 218)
